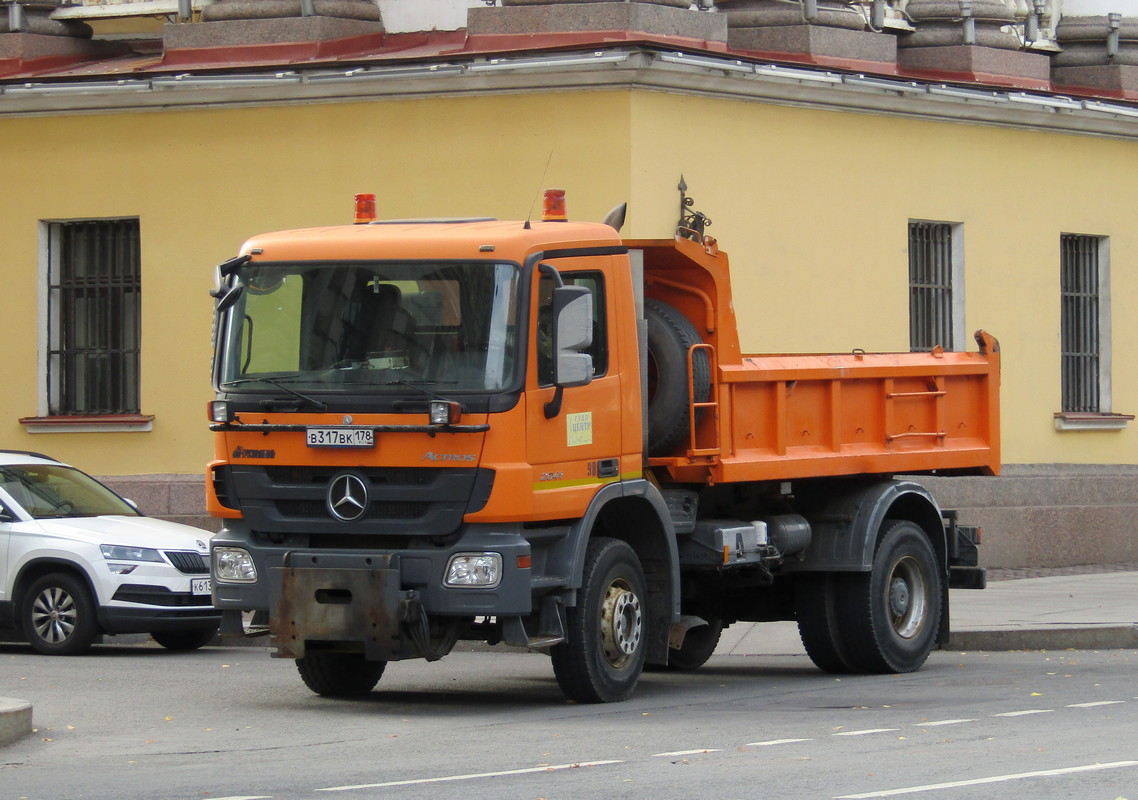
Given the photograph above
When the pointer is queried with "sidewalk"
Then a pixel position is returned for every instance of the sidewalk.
(1081, 611)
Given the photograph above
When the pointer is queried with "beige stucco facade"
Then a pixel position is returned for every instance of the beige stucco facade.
(812, 205)
(811, 198)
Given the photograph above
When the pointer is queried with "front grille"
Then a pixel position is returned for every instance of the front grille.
(283, 500)
(317, 508)
(158, 596)
(188, 563)
(379, 476)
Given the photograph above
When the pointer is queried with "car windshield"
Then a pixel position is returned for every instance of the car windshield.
(372, 327)
(50, 490)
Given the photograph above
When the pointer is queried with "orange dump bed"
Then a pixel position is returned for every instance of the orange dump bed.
(774, 417)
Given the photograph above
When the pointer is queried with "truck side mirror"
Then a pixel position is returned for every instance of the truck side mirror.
(229, 298)
(572, 332)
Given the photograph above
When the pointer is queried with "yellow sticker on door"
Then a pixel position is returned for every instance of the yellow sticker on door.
(579, 428)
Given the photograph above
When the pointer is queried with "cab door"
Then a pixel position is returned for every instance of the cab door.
(576, 450)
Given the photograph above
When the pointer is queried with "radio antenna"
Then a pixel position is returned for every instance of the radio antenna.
(544, 172)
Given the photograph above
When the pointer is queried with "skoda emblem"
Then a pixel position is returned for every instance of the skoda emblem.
(347, 497)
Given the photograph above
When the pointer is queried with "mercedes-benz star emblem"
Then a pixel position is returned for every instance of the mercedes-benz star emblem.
(347, 497)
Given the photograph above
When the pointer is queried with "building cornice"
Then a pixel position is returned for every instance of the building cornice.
(624, 67)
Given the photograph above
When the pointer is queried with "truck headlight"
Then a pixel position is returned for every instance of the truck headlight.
(233, 565)
(474, 569)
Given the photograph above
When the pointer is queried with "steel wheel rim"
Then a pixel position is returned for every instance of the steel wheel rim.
(54, 615)
(907, 597)
(622, 624)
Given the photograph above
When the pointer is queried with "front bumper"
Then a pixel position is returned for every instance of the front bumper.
(372, 601)
(116, 620)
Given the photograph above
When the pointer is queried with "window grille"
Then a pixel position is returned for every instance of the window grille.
(94, 290)
(930, 286)
(1080, 322)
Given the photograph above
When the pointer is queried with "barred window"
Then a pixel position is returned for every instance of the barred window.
(1083, 289)
(935, 316)
(93, 311)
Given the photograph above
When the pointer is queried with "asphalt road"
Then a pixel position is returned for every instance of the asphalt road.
(140, 723)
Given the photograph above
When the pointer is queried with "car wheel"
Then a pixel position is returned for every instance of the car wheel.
(185, 640)
(58, 615)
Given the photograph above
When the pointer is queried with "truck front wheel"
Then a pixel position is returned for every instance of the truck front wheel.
(603, 655)
(339, 674)
(891, 614)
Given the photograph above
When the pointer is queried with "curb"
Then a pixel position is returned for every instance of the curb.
(1085, 637)
(15, 720)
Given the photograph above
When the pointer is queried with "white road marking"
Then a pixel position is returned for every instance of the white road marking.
(770, 743)
(866, 732)
(995, 779)
(447, 778)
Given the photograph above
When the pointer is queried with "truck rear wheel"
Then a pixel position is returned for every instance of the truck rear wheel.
(603, 655)
(670, 336)
(699, 644)
(816, 602)
(339, 674)
(891, 614)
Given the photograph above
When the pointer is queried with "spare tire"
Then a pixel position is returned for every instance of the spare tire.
(670, 336)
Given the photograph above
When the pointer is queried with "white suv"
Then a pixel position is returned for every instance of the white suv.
(77, 562)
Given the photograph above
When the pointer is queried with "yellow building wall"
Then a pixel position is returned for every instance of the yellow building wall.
(813, 208)
(811, 205)
(202, 182)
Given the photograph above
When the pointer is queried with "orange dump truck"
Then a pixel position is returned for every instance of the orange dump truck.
(542, 434)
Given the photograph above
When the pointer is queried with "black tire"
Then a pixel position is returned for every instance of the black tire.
(816, 609)
(670, 336)
(891, 615)
(185, 640)
(339, 674)
(699, 644)
(58, 615)
(607, 638)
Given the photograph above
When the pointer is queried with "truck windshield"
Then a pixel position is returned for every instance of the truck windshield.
(372, 327)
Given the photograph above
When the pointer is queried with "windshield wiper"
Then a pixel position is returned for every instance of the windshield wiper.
(419, 387)
(309, 401)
